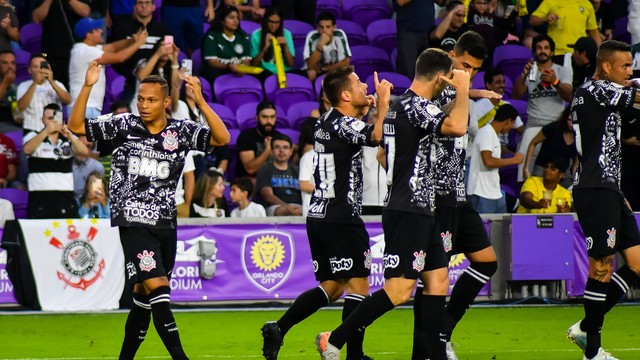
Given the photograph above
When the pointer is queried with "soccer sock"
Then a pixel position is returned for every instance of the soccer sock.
(371, 308)
(621, 280)
(433, 311)
(304, 306)
(354, 344)
(420, 338)
(467, 287)
(164, 322)
(595, 294)
(136, 326)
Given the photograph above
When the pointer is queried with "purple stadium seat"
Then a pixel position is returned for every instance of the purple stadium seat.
(355, 33)
(332, 6)
(265, 3)
(318, 86)
(298, 60)
(196, 58)
(207, 94)
(298, 89)
(400, 82)
(116, 87)
(19, 199)
(382, 33)
(394, 57)
(182, 56)
(233, 91)
(246, 116)
(521, 106)
(366, 59)
(293, 134)
(365, 12)
(620, 31)
(31, 37)
(508, 88)
(249, 26)
(16, 137)
(299, 112)
(509, 178)
(22, 65)
(511, 59)
(478, 81)
(299, 31)
(205, 27)
(234, 137)
(110, 74)
(227, 116)
(157, 13)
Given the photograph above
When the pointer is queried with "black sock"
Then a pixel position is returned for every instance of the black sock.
(136, 326)
(354, 344)
(165, 323)
(621, 280)
(371, 308)
(304, 306)
(420, 349)
(467, 287)
(595, 294)
(433, 311)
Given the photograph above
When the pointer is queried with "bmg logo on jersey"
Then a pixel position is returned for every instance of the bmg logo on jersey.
(267, 258)
(342, 264)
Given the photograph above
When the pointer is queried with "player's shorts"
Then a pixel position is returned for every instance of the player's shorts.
(339, 250)
(606, 221)
(148, 253)
(461, 229)
(412, 244)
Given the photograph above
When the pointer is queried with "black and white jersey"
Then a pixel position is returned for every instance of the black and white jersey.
(596, 109)
(451, 153)
(145, 167)
(409, 130)
(338, 167)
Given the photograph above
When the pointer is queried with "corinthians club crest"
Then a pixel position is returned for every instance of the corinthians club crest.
(267, 258)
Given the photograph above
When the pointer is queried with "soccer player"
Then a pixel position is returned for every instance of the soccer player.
(604, 214)
(338, 240)
(412, 248)
(148, 157)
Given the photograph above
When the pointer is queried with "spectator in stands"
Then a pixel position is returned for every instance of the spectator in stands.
(249, 9)
(604, 19)
(6, 212)
(325, 48)
(8, 101)
(83, 167)
(163, 62)
(254, 145)
(41, 90)
(241, 190)
(262, 53)
(118, 14)
(50, 178)
(568, 20)
(185, 187)
(89, 48)
(185, 21)
(225, 45)
(544, 194)
(8, 161)
(306, 167)
(58, 18)
(494, 29)
(548, 88)
(581, 64)
(303, 10)
(277, 182)
(374, 175)
(9, 27)
(94, 201)
(484, 179)
(208, 197)
(446, 34)
(414, 20)
(142, 18)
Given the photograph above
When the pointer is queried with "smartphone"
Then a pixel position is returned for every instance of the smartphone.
(168, 40)
(44, 65)
(97, 185)
(57, 117)
(188, 65)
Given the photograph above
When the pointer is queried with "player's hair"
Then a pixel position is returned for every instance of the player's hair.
(326, 15)
(506, 112)
(157, 79)
(264, 104)
(491, 73)
(610, 47)
(543, 37)
(431, 62)
(244, 184)
(335, 82)
(282, 137)
(472, 43)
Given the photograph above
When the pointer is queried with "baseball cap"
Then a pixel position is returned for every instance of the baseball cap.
(85, 26)
(587, 44)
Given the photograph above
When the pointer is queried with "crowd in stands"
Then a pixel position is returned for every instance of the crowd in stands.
(522, 151)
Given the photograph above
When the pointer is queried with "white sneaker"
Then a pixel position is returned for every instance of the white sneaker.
(577, 336)
(451, 354)
(326, 350)
(601, 355)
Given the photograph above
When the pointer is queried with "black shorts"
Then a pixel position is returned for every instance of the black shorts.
(606, 221)
(148, 253)
(412, 244)
(461, 229)
(339, 251)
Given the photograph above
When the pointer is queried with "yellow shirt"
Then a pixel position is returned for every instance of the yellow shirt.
(535, 186)
(576, 17)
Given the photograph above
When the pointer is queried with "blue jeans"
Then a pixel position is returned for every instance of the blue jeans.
(488, 206)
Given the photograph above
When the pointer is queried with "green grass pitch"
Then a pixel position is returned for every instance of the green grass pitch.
(518, 333)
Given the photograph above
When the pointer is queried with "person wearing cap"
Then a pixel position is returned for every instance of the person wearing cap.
(532, 194)
(581, 64)
(88, 48)
(254, 144)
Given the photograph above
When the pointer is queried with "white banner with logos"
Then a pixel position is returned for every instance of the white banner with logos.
(77, 264)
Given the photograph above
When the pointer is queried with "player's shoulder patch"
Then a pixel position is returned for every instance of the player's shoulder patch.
(433, 110)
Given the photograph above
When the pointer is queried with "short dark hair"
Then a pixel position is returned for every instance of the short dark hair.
(264, 104)
(282, 137)
(432, 61)
(52, 106)
(490, 74)
(473, 44)
(7, 52)
(326, 15)
(244, 184)
(120, 104)
(506, 112)
(543, 37)
(452, 5)
(610, 47)
(37, 55)
(157, 79)
(335, 82)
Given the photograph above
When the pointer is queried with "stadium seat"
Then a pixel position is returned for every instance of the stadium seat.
(196, 58)
(382, 33)
(226, 115)
(400, 82)
(478, 81)
(298, 60)
(298, 89)
(233, 91)
(511, 59)
(205, 27)
(521, 106)
(365, 12)
(366, 59)
(249, 26)
(355, 33)
(299, 112)
(394, 57)
(246, 116)
(293, 134)
(31, 38)
(299, 31)
(318, 86)
(207, 94)
(332, 6)
(620, 31)
(16, 137)
(19, 198)
(22, 65)
(157, 13)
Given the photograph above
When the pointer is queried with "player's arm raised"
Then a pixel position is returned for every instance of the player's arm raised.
(383, 90)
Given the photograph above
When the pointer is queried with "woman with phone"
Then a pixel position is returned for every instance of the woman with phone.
(94, 203)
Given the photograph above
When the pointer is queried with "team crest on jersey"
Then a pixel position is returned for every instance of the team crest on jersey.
(170, 142)
(368, 259)
(147, 262)
(611, 239)
(589, 241)
(268, 257)
(446, 241)
(239, 49)
(419, 260)
(315, 266)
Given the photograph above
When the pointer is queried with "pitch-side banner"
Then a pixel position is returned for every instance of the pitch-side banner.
(77, 264)
(6, 287)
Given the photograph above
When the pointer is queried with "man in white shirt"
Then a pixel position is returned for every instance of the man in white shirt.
(325, 48)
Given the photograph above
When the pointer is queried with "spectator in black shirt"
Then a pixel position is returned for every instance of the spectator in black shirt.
(254, 145)
(452, 26)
